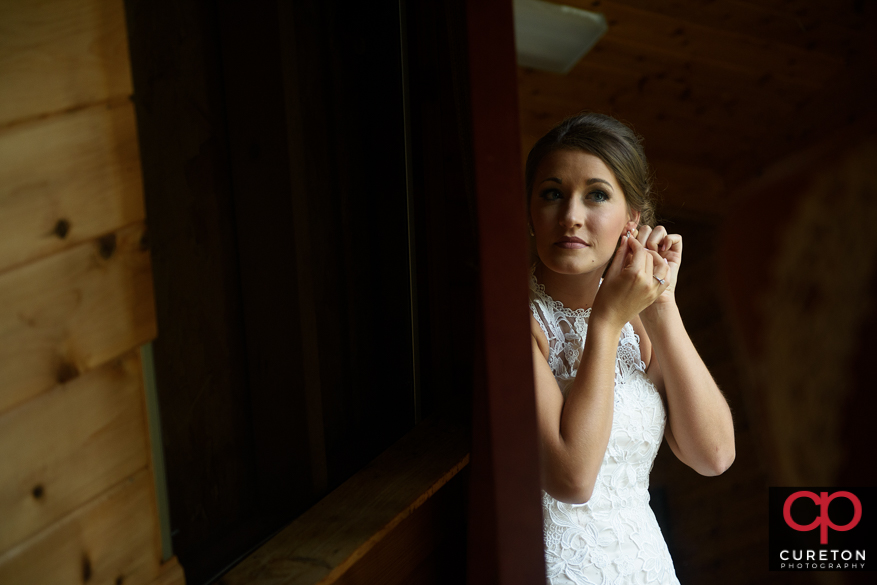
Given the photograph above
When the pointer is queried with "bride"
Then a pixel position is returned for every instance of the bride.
(615, 370)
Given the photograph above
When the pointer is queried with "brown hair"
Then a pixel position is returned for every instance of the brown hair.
(619, 147)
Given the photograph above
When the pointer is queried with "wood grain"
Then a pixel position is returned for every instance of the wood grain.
(668, 138)
(59, 54)
(73, 311)
(327, 540)
(68, 445)
(426, 548)
(733, 51)
(808, 30)
(67, 179)
(114, 536)
(171, 573)
(654, 87)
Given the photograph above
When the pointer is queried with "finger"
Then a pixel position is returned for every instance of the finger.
(642, 235)
(656, 238)
(657, 259)
(639, 257)
(648, 262)
(618, 259)
(672, 242)
(662, 282)
(662, 267)
(657, 262)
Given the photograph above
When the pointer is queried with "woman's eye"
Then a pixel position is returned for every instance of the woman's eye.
(599, 196)
(551, 195)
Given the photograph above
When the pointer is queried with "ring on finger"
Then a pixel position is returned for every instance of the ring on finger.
(661, 280)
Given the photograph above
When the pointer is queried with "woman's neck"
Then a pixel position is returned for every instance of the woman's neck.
(575, 291)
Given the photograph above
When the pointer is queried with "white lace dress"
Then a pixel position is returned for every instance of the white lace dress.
(614, 537)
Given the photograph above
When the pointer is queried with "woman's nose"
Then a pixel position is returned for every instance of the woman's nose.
(574, 214)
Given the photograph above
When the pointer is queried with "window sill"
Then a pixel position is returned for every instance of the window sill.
(325, 542)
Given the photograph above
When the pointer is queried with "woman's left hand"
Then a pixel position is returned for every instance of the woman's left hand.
(669, 248)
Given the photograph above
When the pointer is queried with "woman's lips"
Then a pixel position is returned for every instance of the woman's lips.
(570, 243)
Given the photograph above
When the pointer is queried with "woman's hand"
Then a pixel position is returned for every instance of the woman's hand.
(635, 279)
(669, 248)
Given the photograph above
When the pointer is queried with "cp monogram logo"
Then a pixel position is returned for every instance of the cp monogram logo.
(823, 521)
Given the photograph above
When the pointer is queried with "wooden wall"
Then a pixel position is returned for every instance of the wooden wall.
(77, 495)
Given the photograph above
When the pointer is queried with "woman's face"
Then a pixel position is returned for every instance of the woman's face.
(578, 212)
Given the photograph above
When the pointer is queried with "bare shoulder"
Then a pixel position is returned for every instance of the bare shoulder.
(645, 344)
(539, 336)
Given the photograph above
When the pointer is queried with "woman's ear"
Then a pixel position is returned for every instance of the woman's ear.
(633, 223)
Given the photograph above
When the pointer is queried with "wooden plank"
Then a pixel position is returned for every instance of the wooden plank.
(68, 445)
(668, 137)
(73, 311)
(813, 30)
(171, 574)
(736, 52)
(332, 536)
(694, 98)
(846, 14)
(67, 179)
(698, 89)
(427, 548)
(59, 54)
(614, 53)
(112, 539)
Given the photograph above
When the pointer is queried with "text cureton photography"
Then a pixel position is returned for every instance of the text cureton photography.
(821, 528)
(823, 559)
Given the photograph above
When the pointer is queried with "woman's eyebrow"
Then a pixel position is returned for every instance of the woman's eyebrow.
(588, 182)
(596, 180)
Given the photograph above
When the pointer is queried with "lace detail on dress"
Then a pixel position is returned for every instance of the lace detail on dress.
(566, 329)
(614, 537)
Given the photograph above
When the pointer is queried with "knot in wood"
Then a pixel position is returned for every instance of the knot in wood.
(66, 372)
(62, 228)
(107, 246)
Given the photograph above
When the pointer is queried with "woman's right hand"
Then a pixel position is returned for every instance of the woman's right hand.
(630, 284)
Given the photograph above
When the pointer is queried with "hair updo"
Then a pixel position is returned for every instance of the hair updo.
(619, 147)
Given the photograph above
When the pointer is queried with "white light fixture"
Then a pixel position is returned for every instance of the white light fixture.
(553, 37)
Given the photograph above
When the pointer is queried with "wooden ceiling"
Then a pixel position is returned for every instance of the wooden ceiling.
(719, 89)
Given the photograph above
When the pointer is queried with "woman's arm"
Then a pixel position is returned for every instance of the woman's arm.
(574, 433)
(700, 430)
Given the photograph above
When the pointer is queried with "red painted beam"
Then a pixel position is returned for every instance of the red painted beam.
(505, 514)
